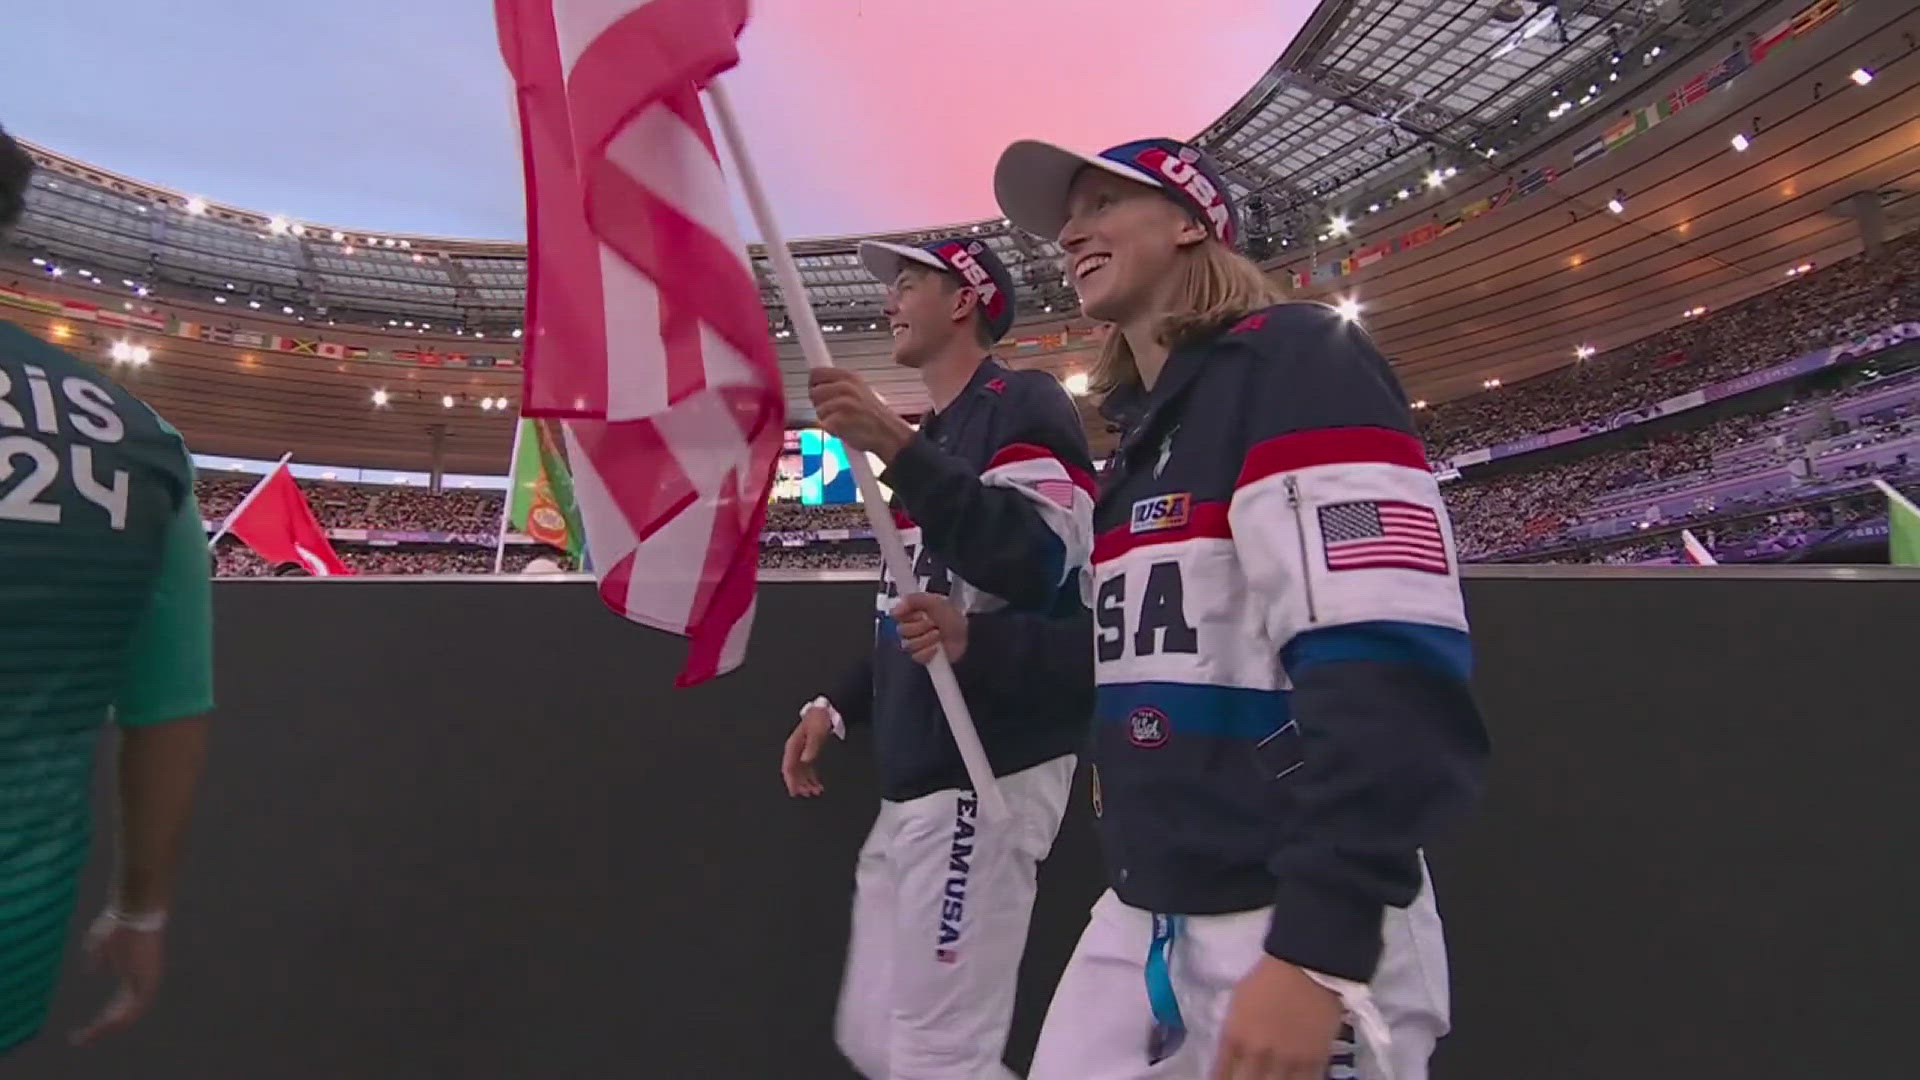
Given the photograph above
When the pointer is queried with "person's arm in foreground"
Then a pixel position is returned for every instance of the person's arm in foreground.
(165, 692)
(1016, 529)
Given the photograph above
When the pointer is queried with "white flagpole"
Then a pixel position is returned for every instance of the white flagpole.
(242, 505)
(506, 509)
(1893, 495)
(992, 804)
(1701, 556)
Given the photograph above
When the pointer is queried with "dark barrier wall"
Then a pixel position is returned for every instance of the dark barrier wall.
(465, 829)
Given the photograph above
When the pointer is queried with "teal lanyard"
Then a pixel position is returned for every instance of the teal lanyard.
(1169, 1029)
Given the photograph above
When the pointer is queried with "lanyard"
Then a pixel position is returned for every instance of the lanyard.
(1169, 1029)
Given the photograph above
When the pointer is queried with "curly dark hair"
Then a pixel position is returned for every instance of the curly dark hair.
(15, 167)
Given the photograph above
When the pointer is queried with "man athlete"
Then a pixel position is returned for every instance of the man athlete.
(104, 610)
(997, 475)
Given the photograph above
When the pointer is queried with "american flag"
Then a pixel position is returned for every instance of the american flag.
(644, 327)
(1383, 535)
(1056, 491)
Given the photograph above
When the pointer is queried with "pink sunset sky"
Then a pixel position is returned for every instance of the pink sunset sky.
(864, 115)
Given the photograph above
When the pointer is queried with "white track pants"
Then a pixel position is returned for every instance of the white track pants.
(1098, 1024)
(940, 911)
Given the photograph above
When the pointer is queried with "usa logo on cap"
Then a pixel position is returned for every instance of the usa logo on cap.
(1184, 177)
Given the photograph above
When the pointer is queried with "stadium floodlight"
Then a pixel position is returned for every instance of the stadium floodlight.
(1434, 179)
(286, 309)
(516, 333)
(120, 352)
(1861, 76)
(480, 333)
(38, 261)
(57, 271)
(1418, 405)
(446, 401)
(277, 226)
(142, 290)
(1741, 142)
(1450, 173)
(297, 229)
(380, 398)
(218, 299)
(338, 235)
(1339, 225)
(1349, 308)
(141, 354)
(254, 304)
(1581, 352)
(1617, 204)
(1076, 383)
(196, 205)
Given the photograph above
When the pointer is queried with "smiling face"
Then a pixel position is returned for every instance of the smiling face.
(1122, 241)
(926, 310)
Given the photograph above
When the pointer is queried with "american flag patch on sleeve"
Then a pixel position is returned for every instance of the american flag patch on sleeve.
(1383, 535)
(1059, 492)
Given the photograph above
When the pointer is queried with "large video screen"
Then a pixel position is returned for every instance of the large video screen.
(825, 478)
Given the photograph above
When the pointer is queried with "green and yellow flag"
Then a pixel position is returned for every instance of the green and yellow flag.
(540, 493)
(1903, 527)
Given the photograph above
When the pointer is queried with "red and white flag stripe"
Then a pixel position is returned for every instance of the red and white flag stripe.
(644, 325)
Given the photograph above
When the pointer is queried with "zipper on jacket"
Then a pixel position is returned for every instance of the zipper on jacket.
(1300, 531)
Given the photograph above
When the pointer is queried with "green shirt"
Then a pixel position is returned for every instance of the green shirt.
(105, 608)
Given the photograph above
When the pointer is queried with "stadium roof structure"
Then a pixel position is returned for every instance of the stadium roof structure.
(1451, 168)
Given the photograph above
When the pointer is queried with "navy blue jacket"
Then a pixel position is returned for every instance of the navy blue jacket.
(994, 499)
(1283, 715)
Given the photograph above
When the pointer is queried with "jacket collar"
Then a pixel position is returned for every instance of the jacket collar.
(984, 375)
(1137, 410)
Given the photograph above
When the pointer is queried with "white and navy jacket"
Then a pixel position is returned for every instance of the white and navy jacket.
(1283, 715)
(994, 499)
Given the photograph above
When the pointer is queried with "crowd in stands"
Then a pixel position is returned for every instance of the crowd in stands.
(368, 506)
(821, 557)
(1522, 509)
(1824, 307)
(1509, 514)
(234, 559)
(791, 516)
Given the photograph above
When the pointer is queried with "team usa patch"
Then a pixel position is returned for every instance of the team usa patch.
(1249, 324)
(997, 386)
(1383, 535)
(1169, 511)
(1147, 728)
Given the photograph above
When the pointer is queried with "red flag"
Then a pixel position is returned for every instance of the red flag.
(276, 521)
(644, 329)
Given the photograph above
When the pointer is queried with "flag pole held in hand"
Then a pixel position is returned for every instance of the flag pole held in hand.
(979, 773)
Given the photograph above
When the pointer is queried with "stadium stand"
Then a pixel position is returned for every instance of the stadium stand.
(1533, 508)
(1818, 308)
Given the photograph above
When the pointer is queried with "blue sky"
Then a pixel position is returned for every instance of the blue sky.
(393, 114)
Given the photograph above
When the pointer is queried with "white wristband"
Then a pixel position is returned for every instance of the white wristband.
(151, 922)
(833, 715)
(1369, 1027)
